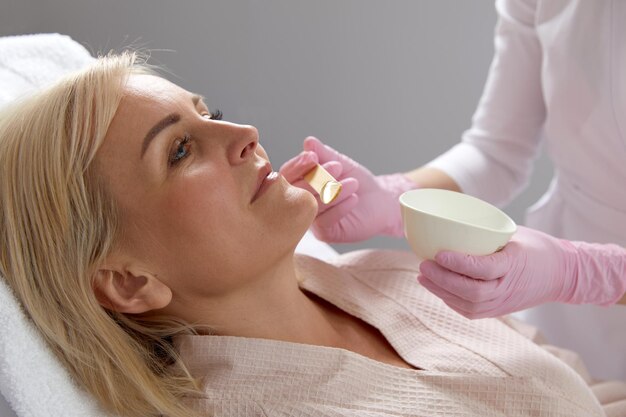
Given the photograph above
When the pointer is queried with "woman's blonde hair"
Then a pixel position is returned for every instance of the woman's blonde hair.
(58, 225)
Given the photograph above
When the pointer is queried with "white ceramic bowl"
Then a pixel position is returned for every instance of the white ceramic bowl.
(436, 220)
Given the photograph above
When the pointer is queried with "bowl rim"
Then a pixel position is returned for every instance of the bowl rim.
(512, 226)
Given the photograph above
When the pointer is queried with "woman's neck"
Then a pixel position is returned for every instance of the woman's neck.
(271, 306)
(275, 308)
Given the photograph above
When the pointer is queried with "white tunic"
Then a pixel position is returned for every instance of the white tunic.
(559, 73)
(469, 367)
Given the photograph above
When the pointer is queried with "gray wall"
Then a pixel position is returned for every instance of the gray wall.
(390, 83)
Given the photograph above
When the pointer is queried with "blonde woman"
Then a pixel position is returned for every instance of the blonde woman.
(153, 247)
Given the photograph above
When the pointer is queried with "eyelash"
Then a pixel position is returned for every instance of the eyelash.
(216, 114)
(179, 144)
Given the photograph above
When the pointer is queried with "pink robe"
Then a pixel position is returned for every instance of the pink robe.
(484, 367)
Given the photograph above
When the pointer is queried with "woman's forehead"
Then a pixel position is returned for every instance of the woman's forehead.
(143, 87)
(147, 98)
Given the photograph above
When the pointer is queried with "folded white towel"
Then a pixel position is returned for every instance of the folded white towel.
(29, 62)
(31, 379)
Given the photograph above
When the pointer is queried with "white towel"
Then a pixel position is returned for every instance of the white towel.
(29, 62)
(31, 379)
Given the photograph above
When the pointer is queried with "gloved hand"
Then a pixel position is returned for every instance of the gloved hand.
(368, 204)
(533, 268)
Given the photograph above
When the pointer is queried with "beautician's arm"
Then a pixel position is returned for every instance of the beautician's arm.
(427, 177)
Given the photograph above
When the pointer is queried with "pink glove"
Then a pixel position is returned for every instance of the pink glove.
(368, 204)
(532, 269)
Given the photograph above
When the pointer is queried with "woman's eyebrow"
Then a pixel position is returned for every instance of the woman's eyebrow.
(168, 120)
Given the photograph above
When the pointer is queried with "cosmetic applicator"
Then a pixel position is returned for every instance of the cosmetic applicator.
(321, 181)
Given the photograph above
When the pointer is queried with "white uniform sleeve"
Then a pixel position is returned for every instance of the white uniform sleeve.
(495, 157)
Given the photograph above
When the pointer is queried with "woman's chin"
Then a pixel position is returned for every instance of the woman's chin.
(311, 207)
(305, 208)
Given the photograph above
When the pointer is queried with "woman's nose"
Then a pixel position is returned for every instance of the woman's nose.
(243, 140)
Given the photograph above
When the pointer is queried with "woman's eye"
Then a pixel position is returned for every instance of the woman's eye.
(180, 150)
(214, 115)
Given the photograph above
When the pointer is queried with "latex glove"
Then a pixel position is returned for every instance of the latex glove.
(367, 205)
(532, 269)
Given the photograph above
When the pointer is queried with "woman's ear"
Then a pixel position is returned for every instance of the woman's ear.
(130, 290)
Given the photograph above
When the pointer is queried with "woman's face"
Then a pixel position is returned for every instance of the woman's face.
(200, 205)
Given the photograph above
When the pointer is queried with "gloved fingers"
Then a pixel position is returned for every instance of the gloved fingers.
(505, 304)
(334, 168)
(326, 153)
(327, 226)
(463, 287)
(461, 306)
(486, 267)
(296, 167)
(447, 297)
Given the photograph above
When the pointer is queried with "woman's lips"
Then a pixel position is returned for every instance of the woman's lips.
(266, 182)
